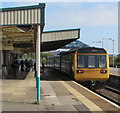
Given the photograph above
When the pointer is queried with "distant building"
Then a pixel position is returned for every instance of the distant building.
(72, 45)
(75, 44)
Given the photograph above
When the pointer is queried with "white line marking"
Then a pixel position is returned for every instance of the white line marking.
(98, 95)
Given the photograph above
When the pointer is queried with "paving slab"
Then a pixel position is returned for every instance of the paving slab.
(19, 107)
(66, 100)
(82, 108)
(61, 108)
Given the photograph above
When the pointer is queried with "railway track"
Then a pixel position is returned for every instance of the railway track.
(113, 82)
(112, 86)
(109, 93)
(112, 89)
(108, 96)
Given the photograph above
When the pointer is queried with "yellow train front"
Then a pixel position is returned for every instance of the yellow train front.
(90, 66)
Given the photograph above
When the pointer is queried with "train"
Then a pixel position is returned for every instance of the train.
(89, 65)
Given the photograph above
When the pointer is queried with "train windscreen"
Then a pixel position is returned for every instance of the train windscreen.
(91, 61)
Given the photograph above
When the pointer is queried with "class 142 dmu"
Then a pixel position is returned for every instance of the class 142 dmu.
(89, 65)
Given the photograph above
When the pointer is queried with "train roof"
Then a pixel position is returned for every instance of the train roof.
(85, 50)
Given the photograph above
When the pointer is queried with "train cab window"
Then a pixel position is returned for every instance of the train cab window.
(80, 60)
(102, 61)
(91, 61)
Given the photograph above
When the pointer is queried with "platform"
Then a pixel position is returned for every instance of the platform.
(58, 93)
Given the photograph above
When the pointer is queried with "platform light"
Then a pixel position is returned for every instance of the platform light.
(24, 28)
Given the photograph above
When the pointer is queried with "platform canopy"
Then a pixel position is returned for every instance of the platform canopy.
(52, 40)
(19, 26)
(27, 15)
(14, 39)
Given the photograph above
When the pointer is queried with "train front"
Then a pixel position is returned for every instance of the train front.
(92, 65)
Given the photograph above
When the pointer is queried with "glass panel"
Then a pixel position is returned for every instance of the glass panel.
(91, 61)
(102, 61)
(81, 61)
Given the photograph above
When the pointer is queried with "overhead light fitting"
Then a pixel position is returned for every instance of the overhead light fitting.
(24, 28)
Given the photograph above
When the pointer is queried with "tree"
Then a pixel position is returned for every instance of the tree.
(44, 57)
(117, 61)
(110, 59)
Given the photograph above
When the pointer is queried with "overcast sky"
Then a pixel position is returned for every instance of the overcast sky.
(96, 20)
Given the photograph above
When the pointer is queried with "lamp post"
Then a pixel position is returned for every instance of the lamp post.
(98, 42)
(113, 51)
(101, 42)
(107, 41)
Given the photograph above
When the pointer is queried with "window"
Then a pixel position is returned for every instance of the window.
(102, 61)
(81, 63)
(91, 61)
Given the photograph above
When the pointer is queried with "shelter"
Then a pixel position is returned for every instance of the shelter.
(19, 24)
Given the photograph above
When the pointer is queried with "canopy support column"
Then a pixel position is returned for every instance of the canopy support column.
(38, 62)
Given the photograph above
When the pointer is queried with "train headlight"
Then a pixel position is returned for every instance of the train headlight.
(103, 71)
(80, 71)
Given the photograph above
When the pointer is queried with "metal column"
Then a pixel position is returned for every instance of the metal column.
(38, 62)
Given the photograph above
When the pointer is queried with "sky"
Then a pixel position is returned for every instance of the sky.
(96, 20)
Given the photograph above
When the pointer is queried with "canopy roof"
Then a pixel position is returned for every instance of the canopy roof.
(19, 30)
(19, 26)
(52, 40)
(25, 15)
(14, 39)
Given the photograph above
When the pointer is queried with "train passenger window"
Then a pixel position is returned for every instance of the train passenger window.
(102, 61)
(91, 61)
(81, 63)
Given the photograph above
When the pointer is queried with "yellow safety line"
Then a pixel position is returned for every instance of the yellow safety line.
(80, 97)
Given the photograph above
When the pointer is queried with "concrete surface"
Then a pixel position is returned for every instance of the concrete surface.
(56, 95)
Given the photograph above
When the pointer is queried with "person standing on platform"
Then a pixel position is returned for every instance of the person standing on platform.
(35, 68)
(27, 64)
(31, 64)
(15, 67)
(22, 65)
(43, 67)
